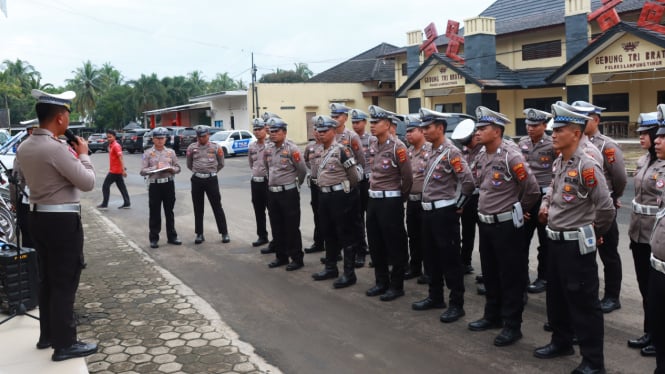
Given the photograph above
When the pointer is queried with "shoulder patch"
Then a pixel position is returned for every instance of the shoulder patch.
(589, 176)
(456, 163)
(610, 155)
(355, 145)
(296, 156)
(401, 155)
(520, 171)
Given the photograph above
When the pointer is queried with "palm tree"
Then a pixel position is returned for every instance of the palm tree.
(240, 85)
(21, 72)
(109, 76)
(87, 85)
(149, 93)
(222, 82)
(197, 82)
(303, 71)
(178, 90)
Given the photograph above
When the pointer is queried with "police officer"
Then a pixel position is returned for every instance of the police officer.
(359, 122)
(577, 205)
(464, 134)
(389, 185)
(656, 299)
(338, 175)
(312, 157)
(55, 175)
(418, 148)
(286, 172)
(507, 188)
(160, 165)
(537, 149)
(259, 182)
(615, 174)
(348, 138)
(205, 159)
(649, 185)
(445, 170)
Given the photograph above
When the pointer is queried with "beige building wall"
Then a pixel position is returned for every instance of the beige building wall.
(509, 48)
(296, 103)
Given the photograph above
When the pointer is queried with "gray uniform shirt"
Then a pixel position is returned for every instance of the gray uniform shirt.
(504, 179)
(255, 158)
(471, 157)
(350, 139)
(591, 150)
(657, 241)
(337, 165)
(285, 164)
(579, 195)
(613, 163)
(313, 153)
(649, 186)
(447, 172)
(540, 156)
(364, 142)
(154, 159)
(52, 170)
(390, 166)
(208, 158)
(417, 157)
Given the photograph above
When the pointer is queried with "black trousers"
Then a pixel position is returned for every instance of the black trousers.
(441, 243)
(530, 226)
(609, 255)
(284, 213)
(120, 182)
(260, 203)
(573, 308)
(161, 194)
(387, 240)
(502, 259)
(59, 241)
(22, 212)
(641, 259)
(469, 222)
(337, 229)
(314, 202)
(414, 230)
(657, 325)
(200, 188)
(360, 227)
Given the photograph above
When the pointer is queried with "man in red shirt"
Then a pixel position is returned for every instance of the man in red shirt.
(116, 173)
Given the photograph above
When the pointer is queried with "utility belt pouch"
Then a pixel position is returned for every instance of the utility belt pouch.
(308, 179)
(347, 186)
(518, 215)
(586, 238)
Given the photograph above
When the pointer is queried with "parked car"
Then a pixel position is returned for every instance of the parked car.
(98, 142)
(147, 139)
(182, 138)
(233, 142)
(133, 140)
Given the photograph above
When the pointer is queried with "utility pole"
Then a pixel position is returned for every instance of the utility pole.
(255, 91)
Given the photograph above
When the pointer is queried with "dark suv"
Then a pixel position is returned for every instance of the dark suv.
(133, 140)
(182, 138)
(98, 142)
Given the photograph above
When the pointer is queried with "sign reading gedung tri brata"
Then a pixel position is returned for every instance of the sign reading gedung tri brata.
(441, 76)
(629, 53)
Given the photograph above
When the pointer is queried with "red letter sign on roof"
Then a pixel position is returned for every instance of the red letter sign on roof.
(606, 15)
(651, 15)
(454, 41)
(428, 46)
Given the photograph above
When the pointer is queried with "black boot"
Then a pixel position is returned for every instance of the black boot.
(329, 272)
(349, 277)
(360, 257)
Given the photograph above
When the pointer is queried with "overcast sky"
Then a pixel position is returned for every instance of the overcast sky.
(170, 37)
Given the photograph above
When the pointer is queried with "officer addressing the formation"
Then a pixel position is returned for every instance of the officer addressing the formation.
(445, 170)
(205, 159)
(389, 185)
(286, 172)
(160, 165)
(338, 175)
(507, 189)
(55, 175)
(418, 148)
(578, 209)
(538, 152)
(614, 170)
(117, 173)
(259, 182)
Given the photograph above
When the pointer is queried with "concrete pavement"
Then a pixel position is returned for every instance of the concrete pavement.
(143, 318)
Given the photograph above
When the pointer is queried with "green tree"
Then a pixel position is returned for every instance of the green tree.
(300, 74)
(303, 71)
(178, 90)
(87, 84)
(240, 85)
(148, 92)
(115, 107)
(222, 82)
(198, 83)
(17, 79)
(109, 76)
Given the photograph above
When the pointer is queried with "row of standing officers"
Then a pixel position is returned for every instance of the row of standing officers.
(565, 187)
